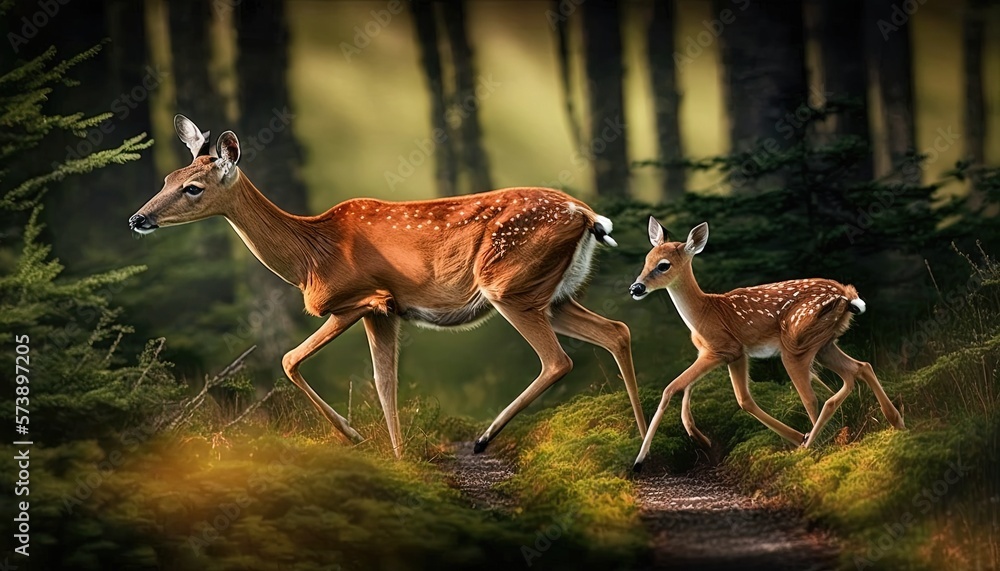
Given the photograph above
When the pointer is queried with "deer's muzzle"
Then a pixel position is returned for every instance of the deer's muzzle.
(638, 291)
(142, 224)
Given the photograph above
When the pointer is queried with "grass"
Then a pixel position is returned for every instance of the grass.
(924, 498)
(276, 491)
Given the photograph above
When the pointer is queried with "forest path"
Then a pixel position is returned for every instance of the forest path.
(696, 520)
(699, 521)
(476, 476)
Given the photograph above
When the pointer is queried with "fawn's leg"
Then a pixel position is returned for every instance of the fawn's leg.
(697, 370)
(738, 373)
(799, 369)
(688, 420)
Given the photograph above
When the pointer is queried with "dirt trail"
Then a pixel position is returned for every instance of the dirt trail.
(695, 520)
(476, 476)
(698, 521)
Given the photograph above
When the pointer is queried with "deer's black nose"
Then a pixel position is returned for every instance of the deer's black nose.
(637, 290)
(141, 223)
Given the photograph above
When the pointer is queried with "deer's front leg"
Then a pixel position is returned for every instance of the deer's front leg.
(383, 339)
(329, 331)
(697, 370)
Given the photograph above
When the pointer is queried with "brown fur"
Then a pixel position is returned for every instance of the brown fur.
(385, 261)
(796, 319)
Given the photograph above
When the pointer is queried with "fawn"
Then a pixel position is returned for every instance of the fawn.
(800, 320)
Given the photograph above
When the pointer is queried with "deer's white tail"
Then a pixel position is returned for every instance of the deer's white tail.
(602, 230)
(857, 306)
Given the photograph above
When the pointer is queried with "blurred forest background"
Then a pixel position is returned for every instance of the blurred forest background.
(846, 139)
(849, 139)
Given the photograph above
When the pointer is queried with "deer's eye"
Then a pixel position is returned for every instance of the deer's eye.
(193, 190)
(663, 266)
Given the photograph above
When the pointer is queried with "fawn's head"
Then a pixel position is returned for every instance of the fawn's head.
(666, 261)
(196, 191)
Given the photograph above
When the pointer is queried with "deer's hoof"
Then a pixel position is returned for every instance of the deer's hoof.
(637, 467)
(480, 445)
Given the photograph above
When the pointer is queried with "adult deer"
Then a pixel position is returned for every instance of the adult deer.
(446, 263)
(800, 320)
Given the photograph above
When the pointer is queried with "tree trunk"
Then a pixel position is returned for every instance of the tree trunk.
(270, 156)
(843, 73)
(445, 167)
(199, 100)
(190, 21)
(561, 25)
(266, 124)
(603, 53)
(763, 53)
(666, 97)
(464, 113)
(974, 117)
(890, 69)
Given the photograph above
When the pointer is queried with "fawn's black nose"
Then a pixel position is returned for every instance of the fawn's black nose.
(637, 290)
(141, 223)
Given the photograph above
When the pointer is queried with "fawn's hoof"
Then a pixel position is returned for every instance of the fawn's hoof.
(480, 445)
(805, 440)
(637, 467)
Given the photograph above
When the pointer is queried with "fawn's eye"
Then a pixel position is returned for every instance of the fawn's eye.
(193, 190)
(663, 266)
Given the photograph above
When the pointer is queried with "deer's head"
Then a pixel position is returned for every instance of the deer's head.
(667, 260)
(196, 191)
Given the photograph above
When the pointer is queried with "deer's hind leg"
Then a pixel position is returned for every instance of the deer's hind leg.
(383, 340)
(533, 324)
(849, 369)
(573, 320)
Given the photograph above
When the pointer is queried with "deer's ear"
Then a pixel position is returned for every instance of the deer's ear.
(697, 239)
(228, 149)
(196, 140)
(655, 232)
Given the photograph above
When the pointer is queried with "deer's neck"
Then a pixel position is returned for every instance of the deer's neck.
(688, 298)
(278, 239)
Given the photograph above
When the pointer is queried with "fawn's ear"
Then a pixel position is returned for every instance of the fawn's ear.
(697, 239)
(228, 149)
(196, 140)
(655, 232)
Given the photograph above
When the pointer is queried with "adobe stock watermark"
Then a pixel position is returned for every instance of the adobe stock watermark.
(581, 157)
(787, 126)
(563, 11)
(933, 327)
(227, 513)
(254, 144)
(87, 484)
(121, 107)
(545, 538)
(899, 17)
(424, 148)
(31, 25)
(695, 45)
(248, 328)
(922, 503)
(885, 199)
(364, 34)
